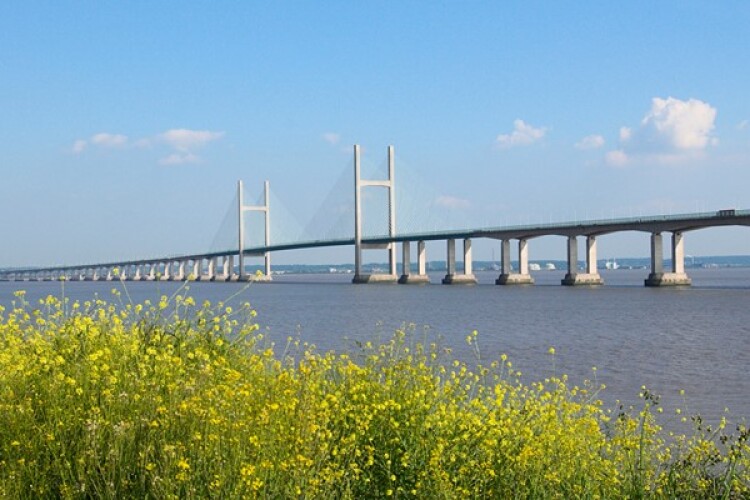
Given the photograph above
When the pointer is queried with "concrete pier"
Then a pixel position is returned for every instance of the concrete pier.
(407, 278)
(452, 277)
(591, 277)
(658, 276)
(507, 276)
(227, 268)
(361, 279)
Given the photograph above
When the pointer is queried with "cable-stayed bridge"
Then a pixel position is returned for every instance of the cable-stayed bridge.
(367, 221)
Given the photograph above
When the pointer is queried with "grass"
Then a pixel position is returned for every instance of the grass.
(180, 400)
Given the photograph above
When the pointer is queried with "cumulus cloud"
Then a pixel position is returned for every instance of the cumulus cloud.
(182, 142)
(102, 139)
(523, 134)
(452, 202)
(109, 140)
(672, 131)
(332, 138)
(183, 139)
(590, 142)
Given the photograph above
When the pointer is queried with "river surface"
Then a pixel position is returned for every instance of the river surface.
(696, 339)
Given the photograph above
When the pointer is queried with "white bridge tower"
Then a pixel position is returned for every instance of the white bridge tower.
(266, 209)
(389, 184)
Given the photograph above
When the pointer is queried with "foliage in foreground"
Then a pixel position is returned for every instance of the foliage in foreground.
(175, 400)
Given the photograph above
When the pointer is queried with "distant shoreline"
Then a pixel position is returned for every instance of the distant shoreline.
(691, 262)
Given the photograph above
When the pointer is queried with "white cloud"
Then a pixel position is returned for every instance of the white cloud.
(332, 138)
(672, 131)
(185, 140)
(743, 125)
(452, 202)
(79, 146)
(522, 135)
(179, 159)
(683, 124)
(590, 142)
(182, 143)
(109, 140)
(616, 158)
(102, 139)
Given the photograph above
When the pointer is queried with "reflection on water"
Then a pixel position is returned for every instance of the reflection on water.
(695, 339)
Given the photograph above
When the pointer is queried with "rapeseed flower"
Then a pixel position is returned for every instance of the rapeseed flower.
(180, 400)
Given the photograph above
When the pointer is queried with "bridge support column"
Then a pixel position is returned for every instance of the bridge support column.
(198, 269)
(658, 277)
(591, 276)
(226, 268)
(507, 277)
(407, 278)
(173, 273)
(359, 276)
(266, 209)
(182, 270)
(422, 259)
(211, 271)
(452, 277)
(231, 276)
(267, 266)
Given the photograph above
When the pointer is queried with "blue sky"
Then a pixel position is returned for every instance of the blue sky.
(126, 125)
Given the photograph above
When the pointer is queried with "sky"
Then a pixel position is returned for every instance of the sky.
(126, 125)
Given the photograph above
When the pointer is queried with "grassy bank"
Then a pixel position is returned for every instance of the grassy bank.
(175, 399)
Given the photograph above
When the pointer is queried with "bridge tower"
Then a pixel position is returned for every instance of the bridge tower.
(266, 209)
(389, 184)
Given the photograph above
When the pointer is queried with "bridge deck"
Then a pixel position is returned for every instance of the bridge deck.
(651, 224)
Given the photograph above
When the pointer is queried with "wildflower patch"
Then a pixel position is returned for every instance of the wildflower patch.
(175, 399)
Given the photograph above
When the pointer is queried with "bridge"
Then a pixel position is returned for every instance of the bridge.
(220, 265)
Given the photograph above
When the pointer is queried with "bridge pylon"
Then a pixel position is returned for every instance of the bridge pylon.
(390, 184)
(266, 209)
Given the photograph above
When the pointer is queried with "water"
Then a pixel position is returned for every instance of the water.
(696, 339)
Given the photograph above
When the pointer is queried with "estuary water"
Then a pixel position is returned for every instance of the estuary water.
(694, 339)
